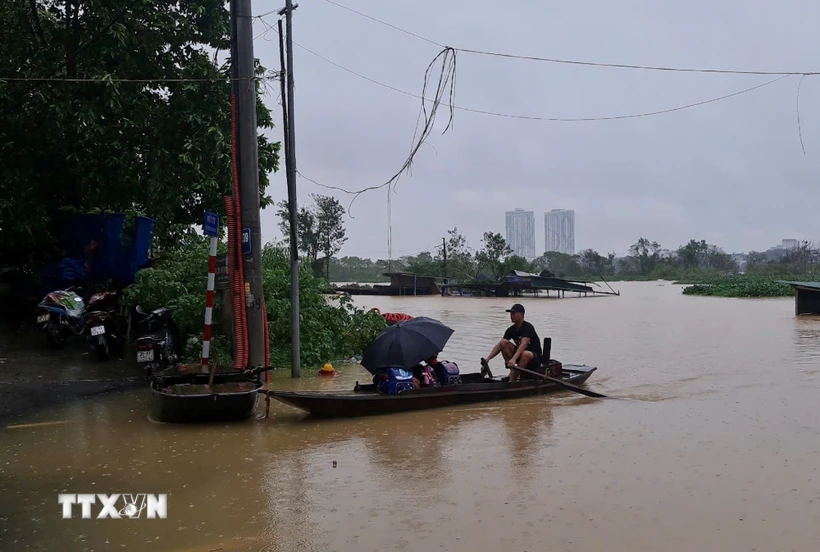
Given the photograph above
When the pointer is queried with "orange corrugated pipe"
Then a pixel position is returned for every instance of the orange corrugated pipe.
(241, 358)
(232, 278)
(239, 351)
(242, 342)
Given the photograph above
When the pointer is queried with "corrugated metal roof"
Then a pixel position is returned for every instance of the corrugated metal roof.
(812, 285)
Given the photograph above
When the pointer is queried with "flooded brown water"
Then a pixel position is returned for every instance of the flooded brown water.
(713, 447)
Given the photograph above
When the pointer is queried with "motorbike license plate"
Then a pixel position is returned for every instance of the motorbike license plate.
(145, 356)
(97, 330)
(42, 318)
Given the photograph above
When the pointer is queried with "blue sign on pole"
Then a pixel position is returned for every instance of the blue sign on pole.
(246, 241)
(211, 226)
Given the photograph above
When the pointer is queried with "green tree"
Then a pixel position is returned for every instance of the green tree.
(515, 262)
(307, 235)
(701, 255)
(494, 251)
(460, 263)
(644, 256)
(356, 269)
(591, 262)
(329, 227)
(117, 143)
(319, 229)
(717, 259)
(692, 254)
(561, 265)
(423, 264)
(755, 259)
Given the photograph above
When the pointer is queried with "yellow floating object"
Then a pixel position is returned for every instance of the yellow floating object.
(327, 370)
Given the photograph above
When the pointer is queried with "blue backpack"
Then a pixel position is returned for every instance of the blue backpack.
(448, 373)
(396, 381)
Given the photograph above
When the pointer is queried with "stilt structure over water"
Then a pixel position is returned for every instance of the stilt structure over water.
(517, 283)
(520, 283)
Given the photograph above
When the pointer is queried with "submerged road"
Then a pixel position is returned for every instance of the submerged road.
(716, 449)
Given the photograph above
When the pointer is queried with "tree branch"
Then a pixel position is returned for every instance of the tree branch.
(35, 14)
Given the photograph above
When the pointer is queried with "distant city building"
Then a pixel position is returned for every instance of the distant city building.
(559, 231)
(742, 260)
(779, 251)
(521, 233)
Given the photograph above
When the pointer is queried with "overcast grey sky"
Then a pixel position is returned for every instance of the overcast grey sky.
(731, 172)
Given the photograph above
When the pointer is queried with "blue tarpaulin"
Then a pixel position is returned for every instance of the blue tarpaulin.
(119, 254)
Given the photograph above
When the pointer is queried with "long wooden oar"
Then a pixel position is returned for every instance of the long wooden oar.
(568, 385)
(561, 382)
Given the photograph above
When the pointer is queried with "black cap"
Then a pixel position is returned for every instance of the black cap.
(518, 307)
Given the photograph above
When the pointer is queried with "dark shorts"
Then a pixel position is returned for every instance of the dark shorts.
(534, 366)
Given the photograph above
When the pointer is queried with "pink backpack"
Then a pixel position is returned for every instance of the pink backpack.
(428, 377)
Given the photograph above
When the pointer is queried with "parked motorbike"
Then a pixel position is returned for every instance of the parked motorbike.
(158, 346)
(105, 330)
(61, 315)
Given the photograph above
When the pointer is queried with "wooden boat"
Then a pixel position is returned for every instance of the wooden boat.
(366, 400)
(180, 397)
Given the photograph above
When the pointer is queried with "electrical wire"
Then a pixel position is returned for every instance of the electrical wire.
(569, 61)
(543, 118)
(386, 24)
(109, 80)
(446, 85)
(447, 81)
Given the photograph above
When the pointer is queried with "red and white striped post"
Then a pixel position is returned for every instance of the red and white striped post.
(211, 229)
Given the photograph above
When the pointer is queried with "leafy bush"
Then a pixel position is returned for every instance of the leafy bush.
(179, 281)
(331, 327)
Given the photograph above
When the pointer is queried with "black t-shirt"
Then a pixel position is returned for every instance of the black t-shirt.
(526, 330)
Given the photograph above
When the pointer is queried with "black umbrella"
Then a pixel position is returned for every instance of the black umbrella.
(406, 343)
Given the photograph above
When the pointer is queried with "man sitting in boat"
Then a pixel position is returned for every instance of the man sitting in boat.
(526, 350)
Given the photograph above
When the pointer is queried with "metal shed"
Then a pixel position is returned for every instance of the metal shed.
(806, 297)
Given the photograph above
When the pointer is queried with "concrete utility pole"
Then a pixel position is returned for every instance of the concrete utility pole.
(290, 162)
(245, 89)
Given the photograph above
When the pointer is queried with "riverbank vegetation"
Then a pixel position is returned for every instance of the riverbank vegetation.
(705, 268)
(493, 260)
(740, 286)
(800, 263)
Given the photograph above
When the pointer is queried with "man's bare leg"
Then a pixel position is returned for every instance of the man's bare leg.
(508, 350)
(502, 347)
(523, 362)
(505, 347)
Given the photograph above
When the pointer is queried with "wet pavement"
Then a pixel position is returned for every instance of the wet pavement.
(32, 375)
